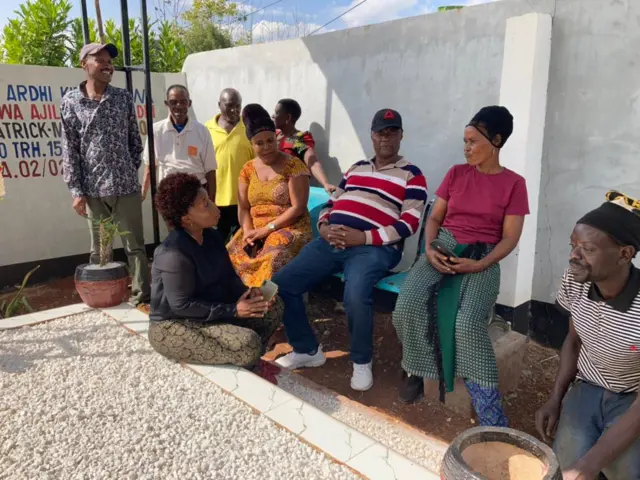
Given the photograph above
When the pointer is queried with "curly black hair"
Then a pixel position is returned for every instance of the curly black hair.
(175, 195)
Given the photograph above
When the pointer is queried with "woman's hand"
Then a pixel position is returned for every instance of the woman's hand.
(251, 305)
(329, 188)
(466, 265)
(439, 262)
(252, 235)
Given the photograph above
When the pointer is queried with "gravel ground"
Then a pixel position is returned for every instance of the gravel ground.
(82, 398)
(413, 445)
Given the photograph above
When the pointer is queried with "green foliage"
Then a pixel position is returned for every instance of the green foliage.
(113, 34)
(39, 34)
(108, 230)
(169, 50)
(76, 39)
(450, 7)
(44, 34)
(208, 11)
(200, 37)
(19, 303)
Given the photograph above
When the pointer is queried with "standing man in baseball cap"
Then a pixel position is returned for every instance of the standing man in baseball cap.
(377, 205)
(102, 151)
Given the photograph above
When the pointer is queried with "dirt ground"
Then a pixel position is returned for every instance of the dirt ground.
(329, 320)
(541, 366)
(57, 293)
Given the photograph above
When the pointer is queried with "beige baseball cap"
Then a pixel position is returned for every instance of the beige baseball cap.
(93, 48)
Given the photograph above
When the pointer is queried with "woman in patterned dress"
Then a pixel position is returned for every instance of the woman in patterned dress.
(296, 143)
(273, 191)
(201, 312)
(441, 312)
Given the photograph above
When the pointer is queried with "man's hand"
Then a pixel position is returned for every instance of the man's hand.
(465, 265)
(324, 231)
(439, 262)
(80, 206)
(143, 194)
(346, 237)
(547, 419)
(251, 305)
(575, 474)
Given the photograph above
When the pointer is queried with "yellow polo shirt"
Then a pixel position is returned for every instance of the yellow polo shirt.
(233, 150)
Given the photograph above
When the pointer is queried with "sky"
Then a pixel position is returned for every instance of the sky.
(285, 19)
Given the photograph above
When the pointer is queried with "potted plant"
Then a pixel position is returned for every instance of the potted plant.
(106, 283)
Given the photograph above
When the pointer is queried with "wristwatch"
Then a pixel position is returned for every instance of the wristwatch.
(272, 227)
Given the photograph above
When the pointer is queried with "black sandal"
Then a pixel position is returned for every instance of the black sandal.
(413, 390)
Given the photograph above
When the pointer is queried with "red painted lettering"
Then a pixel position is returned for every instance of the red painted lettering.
(10, 112)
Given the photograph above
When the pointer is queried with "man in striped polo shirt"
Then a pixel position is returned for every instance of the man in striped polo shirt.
(595, 393)
(378, 204)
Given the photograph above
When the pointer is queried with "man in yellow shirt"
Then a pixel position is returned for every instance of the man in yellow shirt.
(233, 150)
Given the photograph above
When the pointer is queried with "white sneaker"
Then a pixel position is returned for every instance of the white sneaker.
(362, 378)
(295, 360)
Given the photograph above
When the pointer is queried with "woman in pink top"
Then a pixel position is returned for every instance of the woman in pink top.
(441, 312)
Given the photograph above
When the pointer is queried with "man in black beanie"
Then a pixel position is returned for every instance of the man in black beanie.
(594, 401)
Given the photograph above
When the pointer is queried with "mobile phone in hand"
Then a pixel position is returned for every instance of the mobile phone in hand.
(441, 248)
(253, 250)
(269, 290)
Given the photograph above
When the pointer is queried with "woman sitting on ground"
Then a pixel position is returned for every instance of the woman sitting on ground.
(273, 191)
(296, 143)
(441, 313)
(201, 312)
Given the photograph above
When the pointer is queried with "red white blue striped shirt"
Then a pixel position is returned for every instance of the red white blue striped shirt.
(385, 203)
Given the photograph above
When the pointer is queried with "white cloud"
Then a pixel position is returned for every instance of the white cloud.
(374, 11)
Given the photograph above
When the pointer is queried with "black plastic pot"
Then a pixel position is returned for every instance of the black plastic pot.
(102, 287)
(455, 468)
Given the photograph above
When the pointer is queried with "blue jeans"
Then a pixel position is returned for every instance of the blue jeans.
(363, 267)
(587, 412)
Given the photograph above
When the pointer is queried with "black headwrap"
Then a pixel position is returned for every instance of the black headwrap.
(619, 217)
(492, 121)
(256, 119)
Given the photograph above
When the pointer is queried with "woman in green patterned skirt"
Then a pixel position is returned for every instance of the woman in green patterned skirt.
(441, 313)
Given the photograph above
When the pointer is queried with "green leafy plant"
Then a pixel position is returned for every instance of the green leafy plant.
(43, 32)
(108, 230)
(19, 303)
(39, 34)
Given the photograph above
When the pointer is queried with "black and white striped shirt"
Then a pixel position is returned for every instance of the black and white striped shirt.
(609, 331)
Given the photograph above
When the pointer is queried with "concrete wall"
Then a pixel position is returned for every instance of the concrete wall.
(37, 221)
(592, 136)
(438, 70)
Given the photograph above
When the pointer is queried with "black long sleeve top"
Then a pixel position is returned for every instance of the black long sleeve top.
(193, 281)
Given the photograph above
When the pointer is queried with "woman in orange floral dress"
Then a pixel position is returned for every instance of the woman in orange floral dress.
(273, 190)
